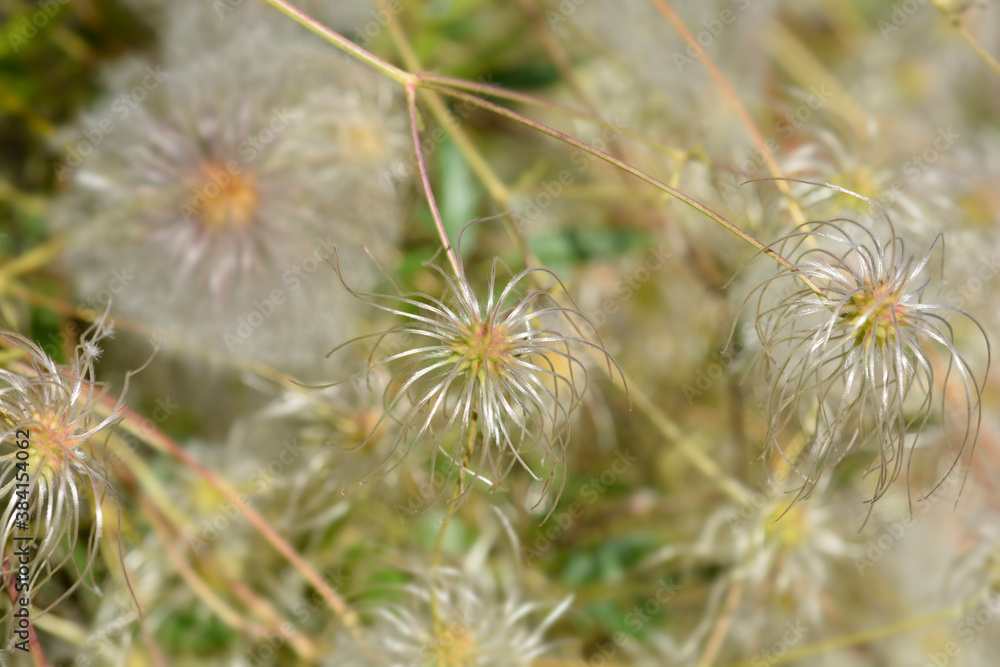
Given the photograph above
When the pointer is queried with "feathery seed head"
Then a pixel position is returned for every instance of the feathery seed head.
(476, 625)
(235, 204)
(49, 411)
(854, 355)
(488, 380)
(222, 193)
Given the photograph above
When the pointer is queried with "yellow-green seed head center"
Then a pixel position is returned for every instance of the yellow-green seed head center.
(483, 348)
(881, 313)
(453, 647)
(52, 445)
(787, 527)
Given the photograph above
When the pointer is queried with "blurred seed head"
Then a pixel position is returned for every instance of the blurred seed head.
(476, 625)
(220, 194)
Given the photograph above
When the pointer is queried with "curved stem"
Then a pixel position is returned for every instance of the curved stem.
(345, 45)
(864, 637)
(955, 19)
(159, 441)
(673, 192)
(734, 101)
(439, 542)
(411, 104)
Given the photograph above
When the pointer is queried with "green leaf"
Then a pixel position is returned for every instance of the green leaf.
(459, 196)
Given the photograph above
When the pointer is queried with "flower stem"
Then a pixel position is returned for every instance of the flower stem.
(865, 637)
(722, 624)
(529, 100)
(673, 192)
(954, 17)
(734, 101)
(159, 441)
(411, 104)
(439, 542)
(499, 192)
(345, 45)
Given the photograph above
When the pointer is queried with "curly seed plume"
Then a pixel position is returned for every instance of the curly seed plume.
(854, 356)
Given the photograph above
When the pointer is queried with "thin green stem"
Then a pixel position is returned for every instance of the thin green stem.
(734, 101)
(864, 637)
(342, 43)
(38, 257)
(983, 54)
(978, 48)
(159, 441)
(413, 81)
(514, 96)
(565, 138)
(439, 542)
(411, 104)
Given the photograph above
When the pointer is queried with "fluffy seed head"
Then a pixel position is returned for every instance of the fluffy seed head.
(855, 356)
(217, 198)
(476, 625)
(488, 380)
(48, 410)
